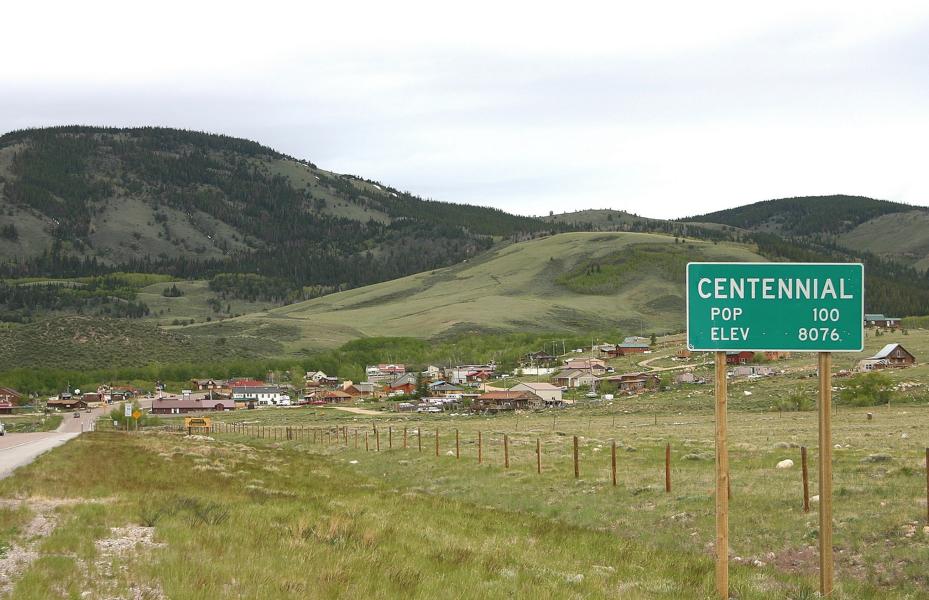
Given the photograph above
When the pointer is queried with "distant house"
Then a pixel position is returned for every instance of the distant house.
(739, 358)
(776, 355)
(631, 383)
(539, 358)
(10, 395)
(364, 388)
(384, 372)
(66, 402)
(406, 384)
(879, 321)
(505, 401)
(443, 389)
(683, 353)
(265, 395)
(750, 370)
(469, 373)
(334, 396)
(6, 407)
(573, 378)
(433, 373)
(92, 398)
(895, 355)
(209, 384)
(632, 347)
(550, 394)
(241, 382)
(594, 366)
(607, 350)
(187, 403)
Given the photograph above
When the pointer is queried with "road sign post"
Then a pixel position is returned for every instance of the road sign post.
(801, 307)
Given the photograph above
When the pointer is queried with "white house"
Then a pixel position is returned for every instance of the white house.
(261, 395)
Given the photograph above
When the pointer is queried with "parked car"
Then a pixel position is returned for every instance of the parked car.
(2, 429)
(591, 394)
(77, 415)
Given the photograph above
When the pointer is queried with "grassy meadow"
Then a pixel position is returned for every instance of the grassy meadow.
(538, 285)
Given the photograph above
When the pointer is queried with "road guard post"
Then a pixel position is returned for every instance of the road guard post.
(798, 307)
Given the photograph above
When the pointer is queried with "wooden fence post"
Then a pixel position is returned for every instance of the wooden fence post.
(356, 439)
(613, 461)
(927, 485)
(722, 479)
(377, 440)
(577, 469)
(667, 468)
(419, 437)
(538, 456)
(457, 449)
(390, 438)
(436, 441)
(480, 448)
(506, 451)
(366, 440)
(806, 480)
(825, 474)
(404, 438)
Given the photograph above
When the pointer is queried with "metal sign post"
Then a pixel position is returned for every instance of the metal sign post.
(805, 307)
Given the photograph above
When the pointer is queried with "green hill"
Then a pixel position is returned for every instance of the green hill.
(572, 282)
(79, 201)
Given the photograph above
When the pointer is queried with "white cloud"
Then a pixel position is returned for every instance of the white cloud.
(665, 109)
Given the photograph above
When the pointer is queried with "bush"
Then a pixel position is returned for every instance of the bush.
(867, 389)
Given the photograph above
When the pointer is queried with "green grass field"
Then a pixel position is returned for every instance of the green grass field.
(513, 288)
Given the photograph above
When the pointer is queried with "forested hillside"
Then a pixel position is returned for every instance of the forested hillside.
(79, 201)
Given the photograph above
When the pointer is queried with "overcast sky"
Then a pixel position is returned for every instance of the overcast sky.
(662, 109)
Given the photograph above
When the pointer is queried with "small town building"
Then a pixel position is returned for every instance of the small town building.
(776, 355)
(506, 401)
(442, 389)
(683, 353)
(365, 388)
(752, 370)
(187, 403)
(10, 395)
(406, 384)
(209, 384)
(739, 358)
(550, 394)
(574, 378)
(67, 402)
(879, 321)
(265, 395)
(632, 347)
(895, 355)
(469, 373)
(631, 383)
(6, 407)
(384, 372)
(539, 358)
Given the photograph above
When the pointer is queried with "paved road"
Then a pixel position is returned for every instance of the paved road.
(18, 449)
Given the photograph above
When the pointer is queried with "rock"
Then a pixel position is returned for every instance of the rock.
(904, 435)
(758, 563)
(879, 457)
(353, 462)
(870, 416)
(814, 499)
(838, 446)
(450, 453)
(747, 393)
(785, 464)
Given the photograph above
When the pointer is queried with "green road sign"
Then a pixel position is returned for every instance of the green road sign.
(809, 307)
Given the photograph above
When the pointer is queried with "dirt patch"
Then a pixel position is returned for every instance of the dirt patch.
(23, 553)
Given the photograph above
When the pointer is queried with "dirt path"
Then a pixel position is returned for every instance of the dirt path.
(646, 364)
(359, 411)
